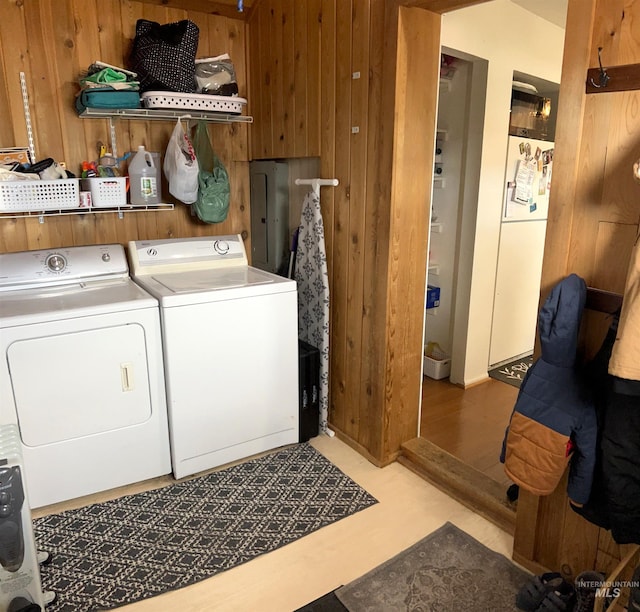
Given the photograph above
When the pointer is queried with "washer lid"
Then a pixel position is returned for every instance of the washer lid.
(198, 286)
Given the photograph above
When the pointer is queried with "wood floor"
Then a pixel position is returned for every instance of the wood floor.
(468, 423)
(409, 508)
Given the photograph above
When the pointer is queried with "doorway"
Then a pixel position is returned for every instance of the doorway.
(466, 415)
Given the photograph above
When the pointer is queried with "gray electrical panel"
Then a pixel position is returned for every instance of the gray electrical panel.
(270, 215)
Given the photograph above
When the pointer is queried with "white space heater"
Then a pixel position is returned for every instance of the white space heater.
(20, 587)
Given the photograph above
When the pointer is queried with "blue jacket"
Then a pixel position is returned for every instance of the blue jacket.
(553, 423)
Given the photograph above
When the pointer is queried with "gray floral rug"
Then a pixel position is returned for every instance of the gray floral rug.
(448, 571)
(110, 554)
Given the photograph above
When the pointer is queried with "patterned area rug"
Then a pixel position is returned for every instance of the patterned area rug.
(512, 373)
(110, 554)
(448, 571)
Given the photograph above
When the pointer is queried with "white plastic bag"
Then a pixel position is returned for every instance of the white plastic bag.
(181, 166)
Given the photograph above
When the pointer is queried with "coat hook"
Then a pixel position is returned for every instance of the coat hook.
(604, 77)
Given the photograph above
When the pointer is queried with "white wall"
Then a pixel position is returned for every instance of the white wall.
(509, 38)
(445, 209)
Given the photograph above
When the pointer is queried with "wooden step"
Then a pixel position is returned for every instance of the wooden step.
(461, 481)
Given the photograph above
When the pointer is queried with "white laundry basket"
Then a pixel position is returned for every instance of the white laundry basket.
(437, 364)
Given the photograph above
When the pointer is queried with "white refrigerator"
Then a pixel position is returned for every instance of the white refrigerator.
(525, 206)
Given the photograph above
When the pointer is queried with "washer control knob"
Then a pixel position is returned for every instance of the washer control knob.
(106, 257)
(56, 262)
(221, 247)
(5, 498)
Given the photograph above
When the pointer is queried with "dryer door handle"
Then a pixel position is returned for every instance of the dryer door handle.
(126, 374)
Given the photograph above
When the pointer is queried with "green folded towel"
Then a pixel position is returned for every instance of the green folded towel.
(106, 75)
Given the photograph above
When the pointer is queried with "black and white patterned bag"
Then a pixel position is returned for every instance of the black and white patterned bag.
(164, 56)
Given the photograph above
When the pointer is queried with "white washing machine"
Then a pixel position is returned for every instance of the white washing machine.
(81, 373)
(230, 335)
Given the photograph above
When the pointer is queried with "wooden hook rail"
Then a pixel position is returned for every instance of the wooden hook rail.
(616, 78)
(603, 301)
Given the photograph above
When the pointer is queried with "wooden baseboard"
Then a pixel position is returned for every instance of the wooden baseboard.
(361, 449)
(532, 566)
(462, 482)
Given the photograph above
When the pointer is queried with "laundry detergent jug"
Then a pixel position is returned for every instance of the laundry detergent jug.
(144, 179)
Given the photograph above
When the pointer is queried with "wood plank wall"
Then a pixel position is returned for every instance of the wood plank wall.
(593, 223)
(52, 42)
(359, 69)
(285, 80)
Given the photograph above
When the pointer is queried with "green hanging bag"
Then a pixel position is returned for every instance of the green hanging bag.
(214, 192)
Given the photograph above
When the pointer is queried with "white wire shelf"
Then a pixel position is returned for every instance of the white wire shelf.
(119, 210)
(155, 114)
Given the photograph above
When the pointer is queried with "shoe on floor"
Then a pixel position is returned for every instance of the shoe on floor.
(560, 599)
(531, 595)
(586, 585)
(634, 592)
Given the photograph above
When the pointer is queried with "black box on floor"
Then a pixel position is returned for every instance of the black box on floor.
(308, 386)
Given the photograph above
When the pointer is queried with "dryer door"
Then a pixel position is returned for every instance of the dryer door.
(77, 384)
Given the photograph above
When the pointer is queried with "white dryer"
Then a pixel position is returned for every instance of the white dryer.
(230, 337)
(81, 373)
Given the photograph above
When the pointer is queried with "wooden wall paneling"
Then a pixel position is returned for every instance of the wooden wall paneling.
(301, 65)
(629, 29)
(567, 165)
(258, 81)
(525, 538)
(614, 244)
(13, 235)
(276, 46)
(589, 186)
(42, 84)
(288, 75)
(382, 53)
(238, 133)
(325, 85)
(578, 548)
(415, 105)
(345, 420)
(270, 129)
(610, 553)
(51, 84)
(357, 214)
(607, 32)
(16, 59)
(551, 513)
(55, 232)
(622, 153)
(314, 77)
(6, 127)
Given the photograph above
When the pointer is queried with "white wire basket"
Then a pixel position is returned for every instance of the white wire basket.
(26, 196)
(199, 102)
(106, 192)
